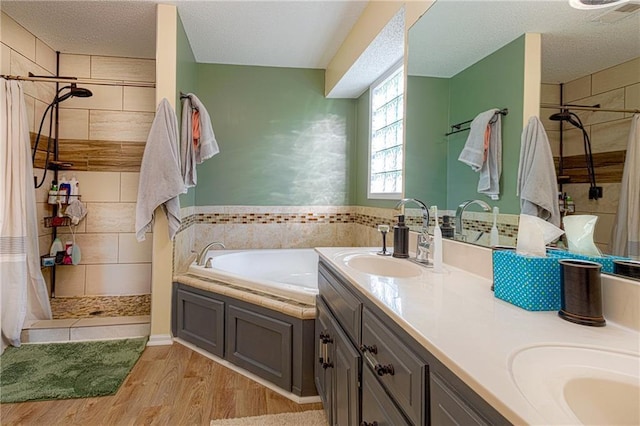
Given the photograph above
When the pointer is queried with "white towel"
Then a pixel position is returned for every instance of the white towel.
(160, 176)
(487, 160)
(207, 146)
(625, 239)
(537, 181)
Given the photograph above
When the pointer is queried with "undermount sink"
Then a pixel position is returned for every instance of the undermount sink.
(373, 264)
(579, 385)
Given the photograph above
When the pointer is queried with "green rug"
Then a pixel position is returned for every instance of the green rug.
(36, 372)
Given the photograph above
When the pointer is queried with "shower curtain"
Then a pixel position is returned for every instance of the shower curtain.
(625, 239)
(24, 292)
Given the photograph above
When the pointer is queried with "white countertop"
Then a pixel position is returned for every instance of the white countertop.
(456, 317)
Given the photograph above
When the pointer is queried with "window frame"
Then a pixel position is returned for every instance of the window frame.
(378, 82)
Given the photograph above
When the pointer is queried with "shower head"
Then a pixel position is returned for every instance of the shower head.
(566, 116)
(74, 91)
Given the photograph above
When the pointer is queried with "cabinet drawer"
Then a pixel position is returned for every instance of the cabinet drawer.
(447, 409)
(377, 407)
(345, 305)
(399, 370)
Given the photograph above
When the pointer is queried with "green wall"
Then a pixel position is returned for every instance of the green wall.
(496, 81)
(186, 81)
(427, 116)
(281, 141)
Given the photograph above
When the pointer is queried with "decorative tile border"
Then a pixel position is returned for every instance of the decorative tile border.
(100, 306)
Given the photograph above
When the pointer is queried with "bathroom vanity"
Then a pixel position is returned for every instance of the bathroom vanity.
(398, 344)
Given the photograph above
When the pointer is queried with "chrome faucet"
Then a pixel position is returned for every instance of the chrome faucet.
(201, 257)
(424, 239)
(460, 210)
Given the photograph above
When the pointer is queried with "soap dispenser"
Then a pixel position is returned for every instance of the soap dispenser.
(401, 239)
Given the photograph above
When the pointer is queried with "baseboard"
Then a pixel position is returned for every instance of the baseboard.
(160, 340)
(293, 397)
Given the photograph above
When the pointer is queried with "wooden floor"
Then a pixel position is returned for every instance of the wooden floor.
(170, 385)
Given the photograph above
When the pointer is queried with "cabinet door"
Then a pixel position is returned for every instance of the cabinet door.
(321, 371)
(200, 320)
(346, 379)
(447, 409)
(377, 407)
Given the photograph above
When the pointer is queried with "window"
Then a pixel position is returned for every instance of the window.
(385, 140)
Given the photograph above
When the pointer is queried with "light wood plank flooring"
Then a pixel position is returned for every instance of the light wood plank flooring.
(170, 385)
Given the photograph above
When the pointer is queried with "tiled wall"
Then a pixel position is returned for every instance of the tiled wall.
(113, 262)
(617, 88)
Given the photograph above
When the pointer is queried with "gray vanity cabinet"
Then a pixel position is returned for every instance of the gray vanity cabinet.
(337, 370)
(448, 409)
(200, 320)
(377, 407)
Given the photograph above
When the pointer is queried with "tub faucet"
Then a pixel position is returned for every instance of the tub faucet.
(203, 253)
(460, 210)
(424, 240)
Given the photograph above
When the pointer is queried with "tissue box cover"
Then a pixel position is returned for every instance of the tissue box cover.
(532, 283)
(605, 261)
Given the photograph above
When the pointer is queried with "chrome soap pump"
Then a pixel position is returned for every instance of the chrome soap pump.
(401, 239)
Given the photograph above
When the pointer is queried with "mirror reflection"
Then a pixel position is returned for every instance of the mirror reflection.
(465, 58)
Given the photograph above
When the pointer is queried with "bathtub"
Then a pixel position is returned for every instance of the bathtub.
(288, 273)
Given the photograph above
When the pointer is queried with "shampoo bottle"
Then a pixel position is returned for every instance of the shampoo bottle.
(437, 243)
(401, 239)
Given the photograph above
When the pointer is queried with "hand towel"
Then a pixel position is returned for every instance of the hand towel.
(537, 181)
(195, 148)
(160, 175)
(483, 151)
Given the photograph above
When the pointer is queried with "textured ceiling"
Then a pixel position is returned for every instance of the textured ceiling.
(453, 35)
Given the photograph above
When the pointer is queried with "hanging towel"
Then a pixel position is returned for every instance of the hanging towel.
(537, 182)
(197, 140)
(483, 151)
(23, 291)
(160, 177)
(625, 238)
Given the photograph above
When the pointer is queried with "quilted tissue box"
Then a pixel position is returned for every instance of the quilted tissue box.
(532, 283)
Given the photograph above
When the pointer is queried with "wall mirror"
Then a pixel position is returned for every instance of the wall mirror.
(468, 57)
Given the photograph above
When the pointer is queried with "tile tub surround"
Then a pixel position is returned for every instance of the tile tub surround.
(450, 313)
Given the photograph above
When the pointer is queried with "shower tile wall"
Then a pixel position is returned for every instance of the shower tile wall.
(105, 134)
(617, 87)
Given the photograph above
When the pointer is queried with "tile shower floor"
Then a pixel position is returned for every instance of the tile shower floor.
(72, 329)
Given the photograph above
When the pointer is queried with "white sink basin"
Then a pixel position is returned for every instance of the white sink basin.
(579, 385)
(373, 264)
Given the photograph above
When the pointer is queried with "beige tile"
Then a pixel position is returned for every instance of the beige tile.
(104, 97)
(554, 142)
(139, 99)
(577, 89)
(625, 74)
(132, 251)
(5, 59)
(75, 65)
(573, 142)
(111, 217)
(206, 233)
(17, 37)
(74, 123)
(550, 94)
(70, 280)
(307, 235)
(109, 332)
(120, 279)
(254, 236)
(45, 335)
(602, 234)
(43, 210)
(40, 90)
(96, 248)
(57, 323)
(39, 109)
(613, 99)
(99, 186)
(610, 136)
(115, 68)
(129, 186)
(45, 56)
(632, 97)
(102, 321)
(549, 125)
(119, 126)
(44, 244)
(30, 103)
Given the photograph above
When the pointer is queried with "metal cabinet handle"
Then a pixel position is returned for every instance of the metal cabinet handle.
(373, 348)
(363, 423)
(380, 369)
(323, 356)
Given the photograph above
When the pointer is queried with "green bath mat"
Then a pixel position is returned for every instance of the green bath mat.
(37, 372)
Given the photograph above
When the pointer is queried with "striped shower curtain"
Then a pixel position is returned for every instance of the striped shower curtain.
(23, 292)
